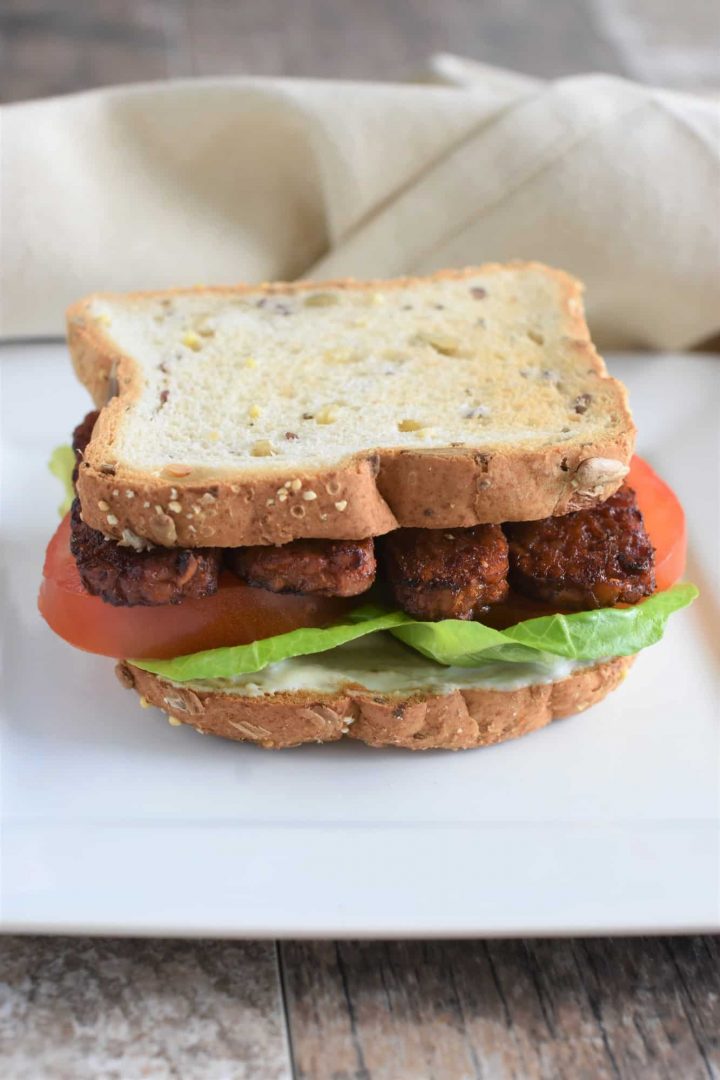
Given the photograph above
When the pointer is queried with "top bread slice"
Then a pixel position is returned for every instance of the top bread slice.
(258, 415)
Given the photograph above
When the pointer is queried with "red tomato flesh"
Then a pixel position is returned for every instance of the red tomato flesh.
(238, 614)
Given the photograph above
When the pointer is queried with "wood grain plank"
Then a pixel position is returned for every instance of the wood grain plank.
(697, 964)
(57, 46)
(108, 1009)
(342, 38)
(585, 1010)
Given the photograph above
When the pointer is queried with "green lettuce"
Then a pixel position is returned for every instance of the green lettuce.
(61, 465)
(584, 635)
(245, 659)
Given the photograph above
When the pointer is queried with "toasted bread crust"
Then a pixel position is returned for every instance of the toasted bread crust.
(365, 494)
(458, 720)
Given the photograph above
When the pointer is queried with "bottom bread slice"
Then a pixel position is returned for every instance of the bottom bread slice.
(457, 720)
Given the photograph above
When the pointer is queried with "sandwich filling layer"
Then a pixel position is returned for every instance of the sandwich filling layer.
(241, 617)
(381, 664)
(205, 626)
(581, 560)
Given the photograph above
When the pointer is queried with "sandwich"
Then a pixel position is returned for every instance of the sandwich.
(407, 512)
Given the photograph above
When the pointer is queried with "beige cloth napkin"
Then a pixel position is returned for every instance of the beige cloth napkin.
(251, 179)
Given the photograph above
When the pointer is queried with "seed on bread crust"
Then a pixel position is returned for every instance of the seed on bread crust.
(594, 474)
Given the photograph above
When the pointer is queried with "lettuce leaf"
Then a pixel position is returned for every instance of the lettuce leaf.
(61, 465)
(584, 635)
(244, 659)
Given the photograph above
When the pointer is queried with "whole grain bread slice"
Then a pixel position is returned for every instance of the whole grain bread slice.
(258, 415)
(458, 720)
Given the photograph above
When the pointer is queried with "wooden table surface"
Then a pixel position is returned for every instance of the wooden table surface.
(80, 1008)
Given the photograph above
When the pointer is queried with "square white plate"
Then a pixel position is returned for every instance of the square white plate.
(115, 822)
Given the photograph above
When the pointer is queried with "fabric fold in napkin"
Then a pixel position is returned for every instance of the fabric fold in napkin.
(217, 181)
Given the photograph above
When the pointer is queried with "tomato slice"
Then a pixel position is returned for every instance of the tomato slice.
(664, 520)
(238, 614)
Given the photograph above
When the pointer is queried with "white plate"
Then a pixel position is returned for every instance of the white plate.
(115, 822)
